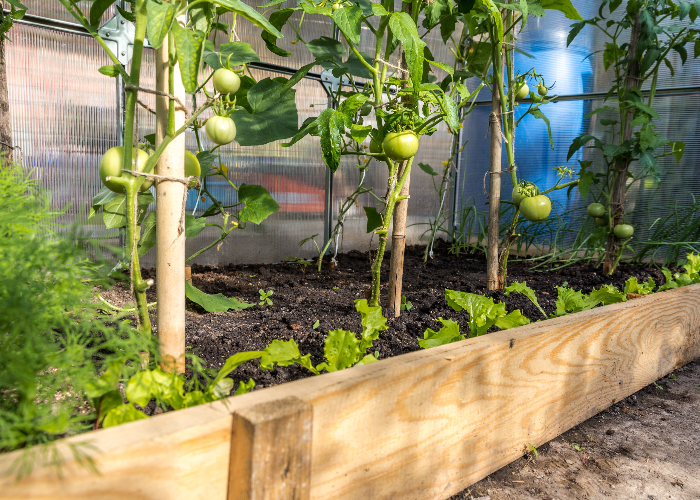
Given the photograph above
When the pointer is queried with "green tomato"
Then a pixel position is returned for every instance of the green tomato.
(542, 90)
(596, 210)
(375, 147)
(623, 231)
(220, 130)
(601, 221)
(226, 81)
(536, 208)
(336, 6)
(522, 92)
(192, 168)
(111, 166)
(523, 190)
(400, 146)
(366, 109)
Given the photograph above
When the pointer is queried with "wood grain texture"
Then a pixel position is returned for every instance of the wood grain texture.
(419, 426)
(428, 424)
(271, 451)
(179, 455)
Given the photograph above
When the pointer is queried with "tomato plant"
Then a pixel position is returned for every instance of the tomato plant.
(523, 190)
(639, 39)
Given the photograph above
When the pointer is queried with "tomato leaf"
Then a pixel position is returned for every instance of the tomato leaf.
(229, 55)
(189, 50)
(677, 148)
(160, 18)
(148, 237)
(563, 6)
(451, 112)
(349, 21)
(259, 204)
(194, 225)
(427, 169)
(278, 19)
(214, 303)
(99, 7)
(374, 219)
(360, 132)
(575, 30)
(114, 70)
(331, 126)
(446, 335)
(403, 28)
(584, 183)
(250, 14)
(328, 49)
(271, 114)
(352, 104)
(537, 113)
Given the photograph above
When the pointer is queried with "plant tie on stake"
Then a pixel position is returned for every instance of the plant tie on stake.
(162, 94)
(185, 181)
(488, 172)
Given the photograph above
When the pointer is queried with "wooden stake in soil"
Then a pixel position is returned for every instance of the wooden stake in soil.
(492, 278)
(170, 257)
(5, 129)
(619, 188)
(271, 451)
(398, 234)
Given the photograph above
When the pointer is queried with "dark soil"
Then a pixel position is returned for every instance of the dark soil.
(303, 297)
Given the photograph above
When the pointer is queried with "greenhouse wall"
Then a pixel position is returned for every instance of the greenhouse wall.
(65, 115)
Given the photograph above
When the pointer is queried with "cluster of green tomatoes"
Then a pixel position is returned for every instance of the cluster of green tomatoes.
(220, 130)
(523, 91)
(621, 231)
(534, 206)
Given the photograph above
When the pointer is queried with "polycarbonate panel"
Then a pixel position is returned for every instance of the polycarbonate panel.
(53, 9)
(422, 206)
(63, 113)
(646, 200)
(570, 68)
(311, 28)
(294, 177)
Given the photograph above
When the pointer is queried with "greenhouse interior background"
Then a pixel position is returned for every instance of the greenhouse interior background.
(65, 115)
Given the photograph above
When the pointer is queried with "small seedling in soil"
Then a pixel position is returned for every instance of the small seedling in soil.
(302, 263)
(316, 325)
(672, 377)
(532, 450)
(265, 297)
(335, 288)
(590, 438)
(576, 447)
(405, 304)
(658, 386)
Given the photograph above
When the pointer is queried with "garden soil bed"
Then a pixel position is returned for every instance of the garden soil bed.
(302, 298)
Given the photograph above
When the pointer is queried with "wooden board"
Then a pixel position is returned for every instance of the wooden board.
(178, 455)
(419, 426)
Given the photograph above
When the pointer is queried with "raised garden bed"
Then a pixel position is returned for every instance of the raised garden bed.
(302, 298)
(423, 425)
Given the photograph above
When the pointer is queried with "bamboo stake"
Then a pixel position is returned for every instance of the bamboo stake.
(170, 258)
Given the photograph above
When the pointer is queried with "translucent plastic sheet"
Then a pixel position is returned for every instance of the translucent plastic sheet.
(63, 113)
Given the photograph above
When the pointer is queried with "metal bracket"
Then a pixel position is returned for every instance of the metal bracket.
(118, 35)
(332, 83)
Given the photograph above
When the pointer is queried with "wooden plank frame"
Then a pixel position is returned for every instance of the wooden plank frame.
(422, 425)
